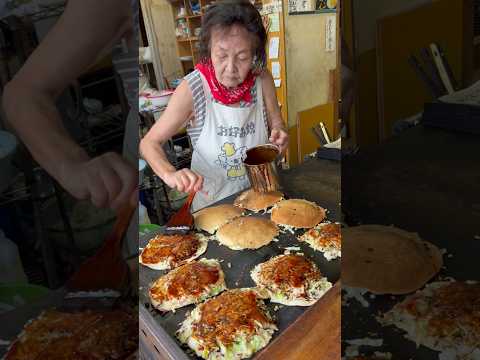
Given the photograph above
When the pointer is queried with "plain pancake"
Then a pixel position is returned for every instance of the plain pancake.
(387, 260)
(257, 201)
(247, 232)
(211, 218)
(297, 213)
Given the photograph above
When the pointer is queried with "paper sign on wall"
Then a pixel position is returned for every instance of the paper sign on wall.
(273, 48)
(277, 82)
(273, 7)
(330, 33)
(300, 5)
(274, 22)
(275, 69)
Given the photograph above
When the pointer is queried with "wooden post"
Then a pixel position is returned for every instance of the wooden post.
(152, 42)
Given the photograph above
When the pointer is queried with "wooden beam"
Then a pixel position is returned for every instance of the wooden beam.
(337, 75)
(152, 42)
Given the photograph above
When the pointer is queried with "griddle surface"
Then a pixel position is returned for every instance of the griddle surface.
(238, 276)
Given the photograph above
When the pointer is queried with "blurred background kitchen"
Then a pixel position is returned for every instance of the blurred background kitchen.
(44, 232)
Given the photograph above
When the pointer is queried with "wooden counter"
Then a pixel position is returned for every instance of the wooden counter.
(313, 336)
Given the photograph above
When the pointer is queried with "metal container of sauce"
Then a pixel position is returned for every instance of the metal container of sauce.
(261, 166)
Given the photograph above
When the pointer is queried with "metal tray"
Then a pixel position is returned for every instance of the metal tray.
(237, 276)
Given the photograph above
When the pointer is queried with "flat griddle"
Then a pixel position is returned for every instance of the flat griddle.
(165, 325)
(12, 322)
(407, 182)
(360, 322)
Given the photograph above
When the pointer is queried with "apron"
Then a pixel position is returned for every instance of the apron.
(228, 132)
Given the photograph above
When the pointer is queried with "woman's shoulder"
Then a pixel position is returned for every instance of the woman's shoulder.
(194, 81)
(192, 76)
(265, 76)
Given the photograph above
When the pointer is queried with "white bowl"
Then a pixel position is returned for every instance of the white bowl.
(155, 99)
(160, 100)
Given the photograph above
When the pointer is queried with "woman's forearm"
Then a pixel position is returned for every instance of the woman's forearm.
(175, 117)
(274, 115)
(37, 122)
(156, 157)
(276, 121)
(184, 180)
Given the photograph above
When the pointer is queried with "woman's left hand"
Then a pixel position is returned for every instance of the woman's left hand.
(279, 137)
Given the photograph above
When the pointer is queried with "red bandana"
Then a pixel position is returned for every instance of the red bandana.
(223, 94)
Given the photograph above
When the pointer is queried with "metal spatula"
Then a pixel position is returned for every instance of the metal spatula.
(182, 221)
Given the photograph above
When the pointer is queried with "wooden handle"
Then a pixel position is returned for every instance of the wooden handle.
(120, 227)
(189, 201)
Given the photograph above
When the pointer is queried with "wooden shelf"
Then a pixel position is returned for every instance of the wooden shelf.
(192, 38)
(319, 11)
(184, 17)
(188, 46)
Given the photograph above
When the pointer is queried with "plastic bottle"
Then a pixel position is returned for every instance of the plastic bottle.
(143, 214)
(11, 268)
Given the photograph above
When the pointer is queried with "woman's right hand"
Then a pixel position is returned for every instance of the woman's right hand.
(107, 180)
(184, 180)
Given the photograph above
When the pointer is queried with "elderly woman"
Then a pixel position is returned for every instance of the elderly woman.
(228, 105)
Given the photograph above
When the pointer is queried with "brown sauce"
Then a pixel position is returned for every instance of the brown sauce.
(192, 279)
(454, 304)
(290, 270)
(226, 315)
(329, 234)
(179, 247)
(260, 155)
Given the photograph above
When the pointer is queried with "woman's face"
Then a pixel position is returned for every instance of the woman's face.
(231, 53)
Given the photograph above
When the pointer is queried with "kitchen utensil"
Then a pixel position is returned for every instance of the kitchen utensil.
(439, 61)
(106, 269)
(182, 221)
(431, 69)
(422, 74)
(261, 166)
(448, 68)
(324, 132)
(317, 132)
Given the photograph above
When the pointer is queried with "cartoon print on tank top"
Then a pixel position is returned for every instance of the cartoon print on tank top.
(231, 159)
